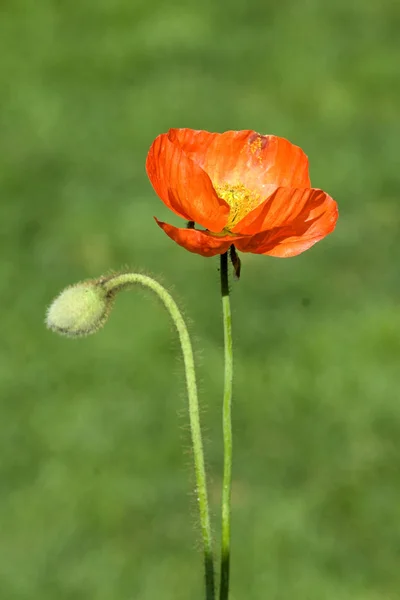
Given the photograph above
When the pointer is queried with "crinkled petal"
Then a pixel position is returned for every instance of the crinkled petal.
(281, 208)
(199, 242)
(183, 185)
(311, 226)
(259, 162)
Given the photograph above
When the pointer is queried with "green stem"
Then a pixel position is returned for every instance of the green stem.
(227, 433)
(125, 280)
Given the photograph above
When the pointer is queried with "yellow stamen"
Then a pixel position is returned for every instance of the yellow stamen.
(240, 199)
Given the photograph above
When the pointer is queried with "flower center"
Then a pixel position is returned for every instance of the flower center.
(241, 201)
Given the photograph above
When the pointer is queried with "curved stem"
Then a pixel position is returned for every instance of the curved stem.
(227, 432)
(121, 281)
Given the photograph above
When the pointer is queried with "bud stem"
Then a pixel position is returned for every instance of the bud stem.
(122, 281)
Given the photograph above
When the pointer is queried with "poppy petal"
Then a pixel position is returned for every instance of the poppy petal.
(311, 226)
(183, 186)
(256, 161)
(199, 242)
(281, 208)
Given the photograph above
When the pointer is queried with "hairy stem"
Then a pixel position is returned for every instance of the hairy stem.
(227, 432)
(118, 282)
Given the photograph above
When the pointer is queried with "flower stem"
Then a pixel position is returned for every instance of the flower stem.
(227, 433)
(125, 280)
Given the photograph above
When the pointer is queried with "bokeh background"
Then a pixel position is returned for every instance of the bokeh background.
(96, 484)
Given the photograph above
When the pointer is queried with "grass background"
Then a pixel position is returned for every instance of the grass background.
(96, 478)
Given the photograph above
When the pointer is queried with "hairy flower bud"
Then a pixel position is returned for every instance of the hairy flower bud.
(80, 309)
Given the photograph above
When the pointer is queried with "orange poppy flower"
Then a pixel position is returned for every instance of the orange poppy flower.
(241, 188)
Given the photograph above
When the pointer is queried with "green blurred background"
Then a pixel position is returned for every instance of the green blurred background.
(96, 493)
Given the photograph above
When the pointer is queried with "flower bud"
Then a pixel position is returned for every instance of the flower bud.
(79, 310)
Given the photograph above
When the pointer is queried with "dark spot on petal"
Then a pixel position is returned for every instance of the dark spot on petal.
(257, 142)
